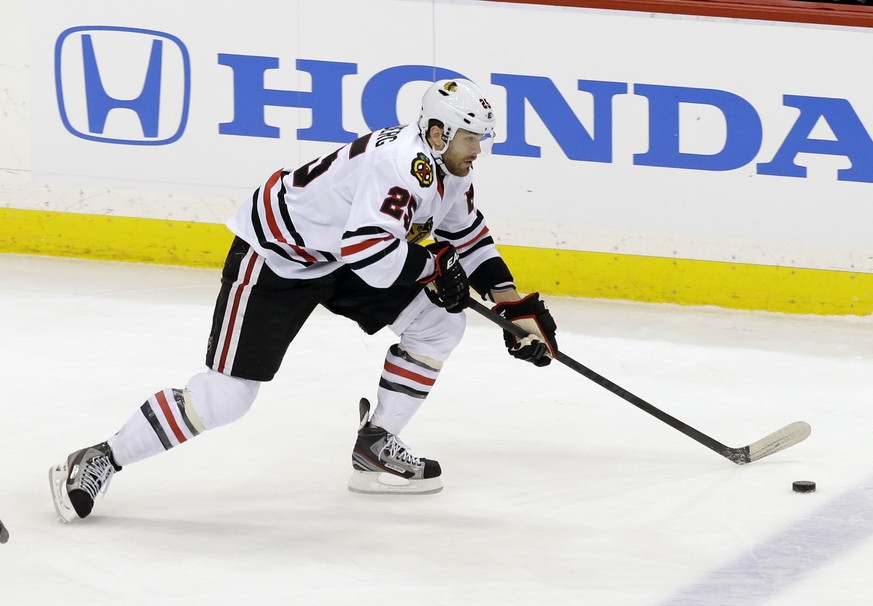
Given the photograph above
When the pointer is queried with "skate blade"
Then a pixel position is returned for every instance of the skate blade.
(57, 480)
(374, 482)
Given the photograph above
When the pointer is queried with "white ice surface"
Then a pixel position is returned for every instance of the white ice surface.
(557, 491)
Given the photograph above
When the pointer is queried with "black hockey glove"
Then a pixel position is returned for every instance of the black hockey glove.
(531, 314)
(447, 286)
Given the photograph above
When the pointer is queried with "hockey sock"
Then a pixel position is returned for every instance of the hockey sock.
(405, 382)
(173, 416)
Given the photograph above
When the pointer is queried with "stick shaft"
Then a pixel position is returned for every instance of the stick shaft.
(775, 442)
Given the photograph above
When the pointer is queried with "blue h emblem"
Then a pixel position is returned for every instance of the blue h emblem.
(161, 105)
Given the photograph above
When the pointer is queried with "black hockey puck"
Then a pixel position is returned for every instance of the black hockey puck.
(4, 534)
(803, 486)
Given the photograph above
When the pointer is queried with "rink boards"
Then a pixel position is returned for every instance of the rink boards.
(626, 166)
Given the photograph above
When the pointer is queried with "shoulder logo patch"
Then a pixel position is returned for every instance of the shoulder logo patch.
(422, 170)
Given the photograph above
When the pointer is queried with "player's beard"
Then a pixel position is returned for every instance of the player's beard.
(460, 167)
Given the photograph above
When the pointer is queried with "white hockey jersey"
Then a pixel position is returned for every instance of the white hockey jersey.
(367, 205)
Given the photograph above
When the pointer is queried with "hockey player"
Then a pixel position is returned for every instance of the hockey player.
(345, 231)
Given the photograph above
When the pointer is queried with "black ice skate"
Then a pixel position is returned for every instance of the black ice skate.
(383, 464)
(76, 483)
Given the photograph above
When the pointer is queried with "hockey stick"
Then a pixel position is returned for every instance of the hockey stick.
(781, 439)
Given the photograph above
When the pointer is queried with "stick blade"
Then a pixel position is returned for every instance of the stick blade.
(788, 436)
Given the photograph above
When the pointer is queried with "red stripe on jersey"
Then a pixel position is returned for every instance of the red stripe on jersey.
(302, 253)
(271, 217)
(408, 374)
(268, 207)
(168, 414)
(356, 248)
(478, 237)
(234, 309)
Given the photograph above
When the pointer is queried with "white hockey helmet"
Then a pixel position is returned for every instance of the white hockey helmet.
(457, 103)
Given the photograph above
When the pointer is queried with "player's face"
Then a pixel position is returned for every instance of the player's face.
(462, 151)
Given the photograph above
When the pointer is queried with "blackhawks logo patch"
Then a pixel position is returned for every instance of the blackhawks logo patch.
(421, 170)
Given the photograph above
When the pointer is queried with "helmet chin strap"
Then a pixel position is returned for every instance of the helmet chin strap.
(438, 153)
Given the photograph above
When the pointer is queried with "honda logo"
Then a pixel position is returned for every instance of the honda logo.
(122, 85)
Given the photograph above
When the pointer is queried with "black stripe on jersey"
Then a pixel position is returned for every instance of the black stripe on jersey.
(377, 256)
(416, 256)
(285, 254)
(365, 231)
(156, 425)
(359, 146)
(486, 241)
(256, 220)
(286, 218)
(179, 396)
(458, 235)
(259, 230)
(384, 384)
